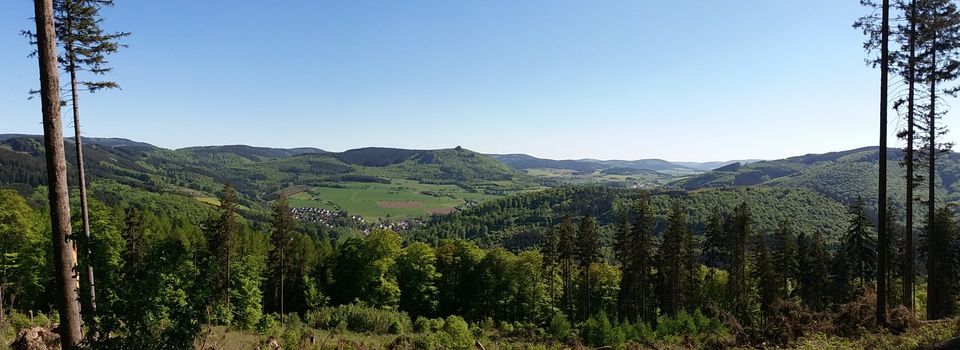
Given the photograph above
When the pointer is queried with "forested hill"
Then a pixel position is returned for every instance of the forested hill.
(257, 172)
(587, 166)
(520, 221)
(843, 176)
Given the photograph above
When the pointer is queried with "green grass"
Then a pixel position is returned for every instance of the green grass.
(397, 200)
(566, 176)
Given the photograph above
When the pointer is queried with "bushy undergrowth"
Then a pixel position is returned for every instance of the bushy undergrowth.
(358, 318)
(600, 330)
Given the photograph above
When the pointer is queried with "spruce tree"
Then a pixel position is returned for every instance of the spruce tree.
(738, 287)
(551, 256)
(943, 259)
(642, 249)
(221, 232)
(64, 253)
(589, 252)
(785, 255)
(859, 250)
(881, 40)
(814, 270)
(768, 282)
(715, 244)
(280, 262)
(568, 256)
(626, 256)
(939, 65)
(85, 47)
(907, 66)
(691, 296)
(671, 261)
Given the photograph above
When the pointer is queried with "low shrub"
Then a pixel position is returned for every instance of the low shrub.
(359, 319)
(598, 331)
(637, 332)
(457, 334)
(19, 321)
(268, 325)
(559, 327)
(681, 324)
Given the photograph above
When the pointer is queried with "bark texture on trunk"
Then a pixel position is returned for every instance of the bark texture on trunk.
(64, 253)
(908, 260)
(882, 193)
(931, 181)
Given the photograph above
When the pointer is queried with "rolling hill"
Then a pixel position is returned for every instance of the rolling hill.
(843, 176)
(257, 172)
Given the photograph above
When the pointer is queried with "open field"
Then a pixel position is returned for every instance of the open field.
(398, 199)
(566, 176)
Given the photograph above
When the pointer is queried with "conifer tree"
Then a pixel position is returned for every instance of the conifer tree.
(671, 261)
(939, 65)
(814, 271)
(690, 281)
(768, 282)
(859, 250)
(942, 291)
(880, 39)
(715, 244)
(589, 252)
(641, 248)
(568, 255)
(785, 256)
(280, 262)
(85, 48)
(221, 232)
(907, 66)
(551, 255)
(894, 256)
(738, 288)
(625, 255)
(64, 253)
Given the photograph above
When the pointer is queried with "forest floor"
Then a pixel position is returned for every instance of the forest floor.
(916, 338)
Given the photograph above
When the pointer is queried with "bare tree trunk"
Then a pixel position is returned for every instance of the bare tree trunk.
(908, 259)
(81, 175)
(932, 275)
(882, 193)
(64, 253)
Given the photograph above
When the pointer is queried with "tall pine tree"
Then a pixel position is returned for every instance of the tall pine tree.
(280, 262)
(85, 47)
(740, 228)
(568, 256)
(589, 252)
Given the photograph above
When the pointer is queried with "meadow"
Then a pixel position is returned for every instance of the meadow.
(400, 199)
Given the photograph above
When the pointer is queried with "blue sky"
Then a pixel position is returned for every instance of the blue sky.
(679, 80)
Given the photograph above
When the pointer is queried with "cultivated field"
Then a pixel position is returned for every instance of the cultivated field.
(398, 200)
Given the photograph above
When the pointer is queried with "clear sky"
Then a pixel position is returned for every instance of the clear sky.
(679, 80)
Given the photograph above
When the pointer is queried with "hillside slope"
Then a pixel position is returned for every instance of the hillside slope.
(843, 176)
(256, 172)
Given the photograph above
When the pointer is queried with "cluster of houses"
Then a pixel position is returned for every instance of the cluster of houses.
(396, 226)
(321, 215)
(331, 218)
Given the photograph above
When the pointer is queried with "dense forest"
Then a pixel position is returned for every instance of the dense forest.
(649, 268)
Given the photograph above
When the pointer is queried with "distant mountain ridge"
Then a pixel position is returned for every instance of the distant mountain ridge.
(588, 165)
(255, 171)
